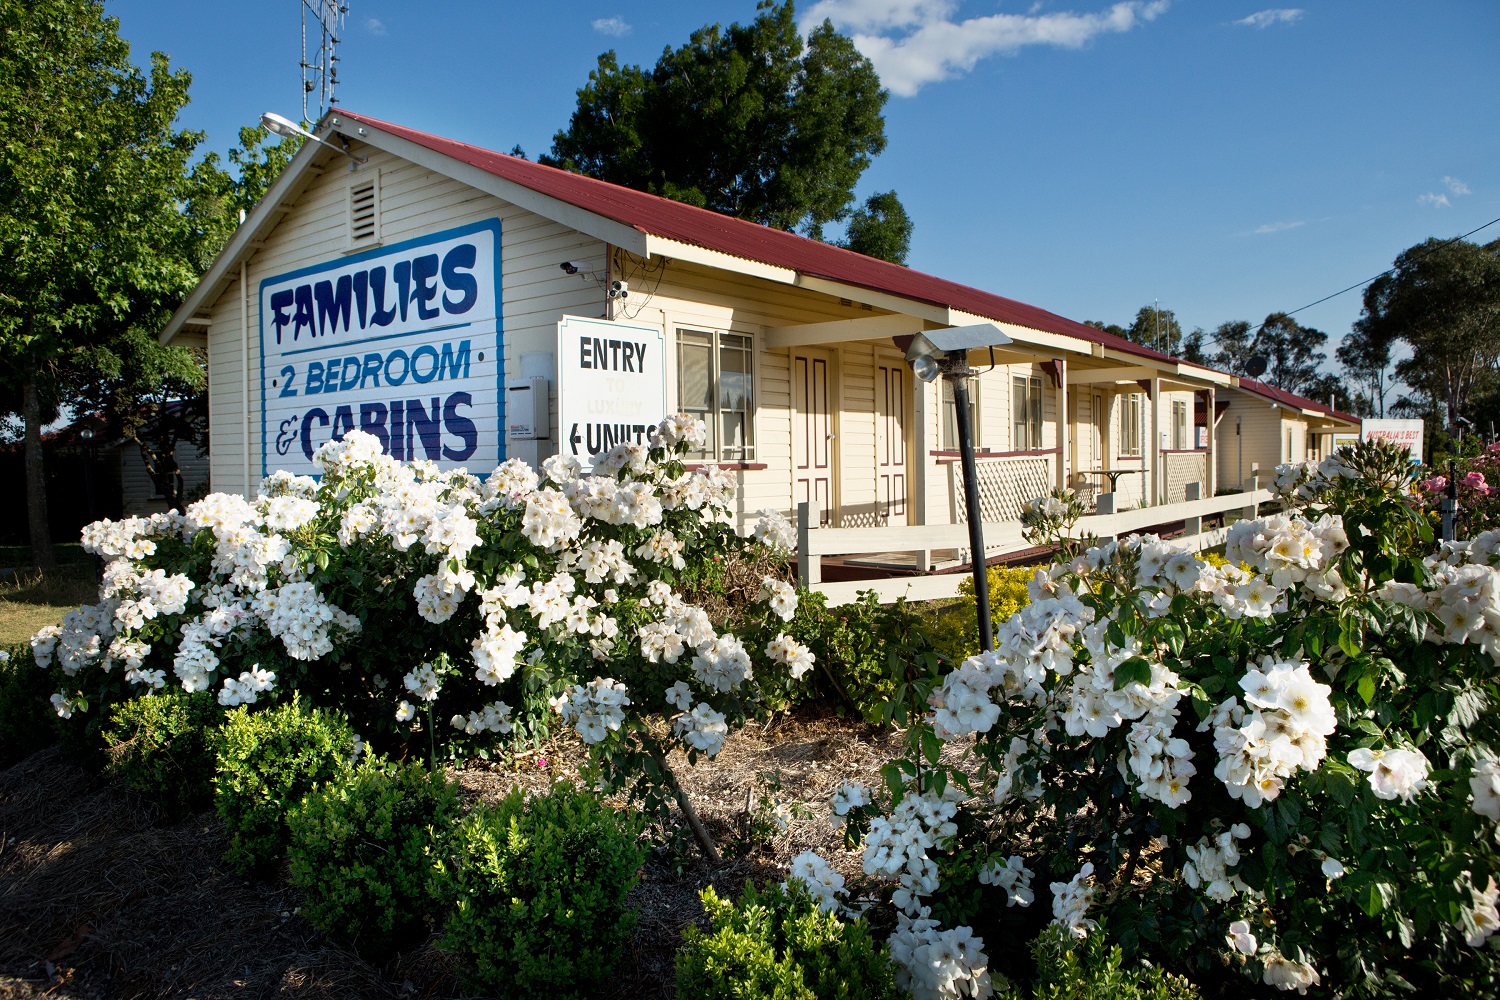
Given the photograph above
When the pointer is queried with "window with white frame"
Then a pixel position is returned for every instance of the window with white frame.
(950, 414)
(1180, 428)
(1026, 413)
(715, 382)
(1130, 424)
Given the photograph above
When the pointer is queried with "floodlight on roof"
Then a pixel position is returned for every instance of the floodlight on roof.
(284, 126)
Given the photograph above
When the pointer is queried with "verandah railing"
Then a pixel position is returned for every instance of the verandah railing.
(1001, 538)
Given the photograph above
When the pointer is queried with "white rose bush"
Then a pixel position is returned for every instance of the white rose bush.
(1280, 767)
(442, 611)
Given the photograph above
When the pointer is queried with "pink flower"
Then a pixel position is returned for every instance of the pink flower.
(1475, 481)
(541, 762)
(1436, 484)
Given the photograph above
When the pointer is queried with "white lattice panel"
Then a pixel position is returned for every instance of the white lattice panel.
(1005, 484)
(1182, 469)
(868, 518)
(1087, 488)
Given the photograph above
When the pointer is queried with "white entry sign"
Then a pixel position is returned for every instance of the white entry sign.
(402, 341)
(1406, 433)
(611, 384)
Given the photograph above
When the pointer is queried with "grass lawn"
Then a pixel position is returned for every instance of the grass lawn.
(29, 601)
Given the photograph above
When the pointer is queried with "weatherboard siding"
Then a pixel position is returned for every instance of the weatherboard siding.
(1261, 436)
(414, 202)
(689, 296)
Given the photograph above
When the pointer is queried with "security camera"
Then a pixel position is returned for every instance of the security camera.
(572, 267)
(619, 289)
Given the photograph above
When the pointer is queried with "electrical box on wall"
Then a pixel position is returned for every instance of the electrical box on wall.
(527, 410)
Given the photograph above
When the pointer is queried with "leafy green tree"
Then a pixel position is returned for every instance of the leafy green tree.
(1335, 391)
(1442, 299)
(748, 120)
(1365, 356)
(1291, 351)
(881, 228)
(256, 168)
(152, 394)
(1099, 324)
(1193, 348)
(1234, 346)
(93, 176)
(1157, 329)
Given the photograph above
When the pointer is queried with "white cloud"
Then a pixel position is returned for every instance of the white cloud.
(1279, 227)
(1435, 200)
(916, 42)
(375, 26)
(1276, 15)
(1456, 186)
(615, 27)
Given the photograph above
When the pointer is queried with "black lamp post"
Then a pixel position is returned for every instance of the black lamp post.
(88, 434)
(946, 353)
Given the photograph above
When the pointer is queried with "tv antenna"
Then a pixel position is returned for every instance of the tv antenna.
(320, 63)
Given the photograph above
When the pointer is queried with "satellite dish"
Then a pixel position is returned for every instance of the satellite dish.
(1256, 366)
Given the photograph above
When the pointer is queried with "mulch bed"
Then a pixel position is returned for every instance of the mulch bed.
(100, 898)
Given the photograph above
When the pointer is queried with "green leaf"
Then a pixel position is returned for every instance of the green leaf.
(1368, 896)
(932, 747)
(1137, 669)
(1367, 688)
(893, 781)
(1349, 637)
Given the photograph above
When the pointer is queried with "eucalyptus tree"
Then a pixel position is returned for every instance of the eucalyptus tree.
(1442, 298)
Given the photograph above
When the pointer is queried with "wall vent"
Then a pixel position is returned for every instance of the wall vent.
(364, 211)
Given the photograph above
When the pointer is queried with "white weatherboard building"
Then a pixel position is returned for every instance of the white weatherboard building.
(466, 306)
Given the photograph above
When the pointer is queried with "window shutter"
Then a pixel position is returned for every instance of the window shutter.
(364, 211)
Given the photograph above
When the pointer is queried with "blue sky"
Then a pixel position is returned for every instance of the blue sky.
(1225, 157)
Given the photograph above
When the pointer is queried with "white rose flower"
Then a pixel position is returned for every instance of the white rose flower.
(1394, 774)
(1485, 784)
(1240, 938)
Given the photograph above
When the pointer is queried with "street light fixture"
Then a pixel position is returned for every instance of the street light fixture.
(284, 126)
(87, 435)
(946, 353)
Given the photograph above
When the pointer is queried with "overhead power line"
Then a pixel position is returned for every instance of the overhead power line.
(1360, 284)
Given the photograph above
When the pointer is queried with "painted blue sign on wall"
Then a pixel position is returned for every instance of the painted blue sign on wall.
(404, 342)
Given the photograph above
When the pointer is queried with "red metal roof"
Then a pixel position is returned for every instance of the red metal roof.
(1285, 398)
(700, 227)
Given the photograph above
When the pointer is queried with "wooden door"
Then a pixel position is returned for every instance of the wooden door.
(892, 397)
(813, 469)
